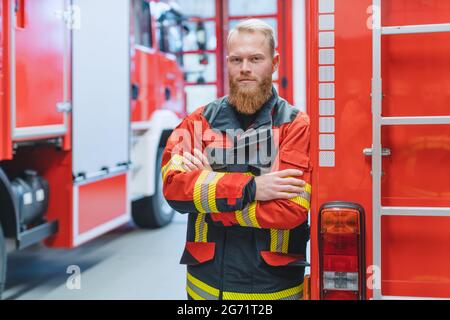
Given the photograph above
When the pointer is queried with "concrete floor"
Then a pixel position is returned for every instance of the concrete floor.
(127, 263)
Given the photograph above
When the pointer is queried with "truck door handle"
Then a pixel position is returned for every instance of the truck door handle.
(385, 152)
(168, 93)
(134, 91)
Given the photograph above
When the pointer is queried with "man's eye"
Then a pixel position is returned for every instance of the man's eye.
(235, 60)
(256, 59)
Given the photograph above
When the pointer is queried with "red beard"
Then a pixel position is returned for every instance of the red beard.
(248, 100)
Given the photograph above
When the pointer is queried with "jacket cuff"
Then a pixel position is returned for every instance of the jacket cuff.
(249, 193)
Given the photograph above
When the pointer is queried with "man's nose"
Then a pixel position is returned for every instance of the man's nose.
(245, 67)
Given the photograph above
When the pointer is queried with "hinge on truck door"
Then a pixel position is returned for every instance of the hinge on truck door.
(71, 17)
(64, 107)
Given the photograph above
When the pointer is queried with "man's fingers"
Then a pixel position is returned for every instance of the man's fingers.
(285, 195)
(292, 182)
(193, 160)
(189, 165)
(291, 189)
(199, 155)
(290, 173)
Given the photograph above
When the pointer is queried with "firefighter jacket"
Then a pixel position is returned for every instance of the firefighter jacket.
(239, 248)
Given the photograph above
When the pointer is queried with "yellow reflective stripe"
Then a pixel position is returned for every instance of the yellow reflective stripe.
(201, 228)
(279, 240)
(198, 191)
(240, 219)
(252, 215)
(212, 192)
(203, 286)
(308, 188)
(247, 217)
(273, 240)
(304, 199)
(175, 163)
(264, 296)
(194, 284)
(193, 294)
(302, 202)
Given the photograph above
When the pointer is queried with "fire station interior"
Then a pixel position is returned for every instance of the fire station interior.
(91, 91)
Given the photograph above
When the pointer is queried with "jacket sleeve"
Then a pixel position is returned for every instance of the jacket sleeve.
(200, 191)
(281, 214)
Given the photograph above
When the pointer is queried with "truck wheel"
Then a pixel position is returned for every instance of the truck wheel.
(2, 261)
(154, 211)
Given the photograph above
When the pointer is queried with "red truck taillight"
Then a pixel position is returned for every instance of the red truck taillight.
(341, 251)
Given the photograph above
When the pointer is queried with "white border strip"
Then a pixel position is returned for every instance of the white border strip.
(79, 239)
(326, 81)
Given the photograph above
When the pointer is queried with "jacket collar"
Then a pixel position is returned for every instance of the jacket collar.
(226, 118)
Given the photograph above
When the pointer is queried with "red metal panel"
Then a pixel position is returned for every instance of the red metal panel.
(102, 201)
(416, 68)
(350, 179)
(144, 74)
(5, 110)
(312, 110)
(415, 258)
(39, 64)
(415, 261)
(155, 73)
(172, 84)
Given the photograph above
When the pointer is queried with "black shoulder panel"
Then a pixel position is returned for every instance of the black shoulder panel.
(211, 110)
(284, 113)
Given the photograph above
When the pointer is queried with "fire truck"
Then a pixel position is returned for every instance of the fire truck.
(378, 96)
(89, 93)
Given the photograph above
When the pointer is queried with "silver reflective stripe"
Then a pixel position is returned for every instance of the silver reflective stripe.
(279, 241)
(306, 195)
(296, 296)
(246, 216)
(200, 292)
(204, 191)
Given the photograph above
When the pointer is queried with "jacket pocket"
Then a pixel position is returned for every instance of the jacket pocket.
(196, 253)
(296, 158)
(278, 259)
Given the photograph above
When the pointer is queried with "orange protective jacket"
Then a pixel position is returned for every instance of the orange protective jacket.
(239, 248)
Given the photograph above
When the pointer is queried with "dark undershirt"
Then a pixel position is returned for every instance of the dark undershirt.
(250, 189)
(245, 120)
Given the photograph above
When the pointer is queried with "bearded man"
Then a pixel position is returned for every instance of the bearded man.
(240, 168)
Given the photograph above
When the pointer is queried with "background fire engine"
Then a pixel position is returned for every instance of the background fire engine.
(82, 121)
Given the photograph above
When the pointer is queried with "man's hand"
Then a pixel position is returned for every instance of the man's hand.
(279, 185)
(196, 161)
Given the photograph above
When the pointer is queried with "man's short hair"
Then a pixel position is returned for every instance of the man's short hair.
(255, 25)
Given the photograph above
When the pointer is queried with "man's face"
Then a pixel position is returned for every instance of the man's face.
(250, 69)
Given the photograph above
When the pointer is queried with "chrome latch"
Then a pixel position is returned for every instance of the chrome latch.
(385, 152)
(64, 107)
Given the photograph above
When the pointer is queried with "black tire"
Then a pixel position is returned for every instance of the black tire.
(3, 257)
(153, 212)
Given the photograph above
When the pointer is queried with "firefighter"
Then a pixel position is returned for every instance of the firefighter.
(240, 168)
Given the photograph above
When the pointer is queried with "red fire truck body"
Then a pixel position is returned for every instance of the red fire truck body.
(85, 107)
(379, 91)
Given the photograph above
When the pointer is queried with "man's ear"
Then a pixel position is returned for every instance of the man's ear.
(276, 62)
